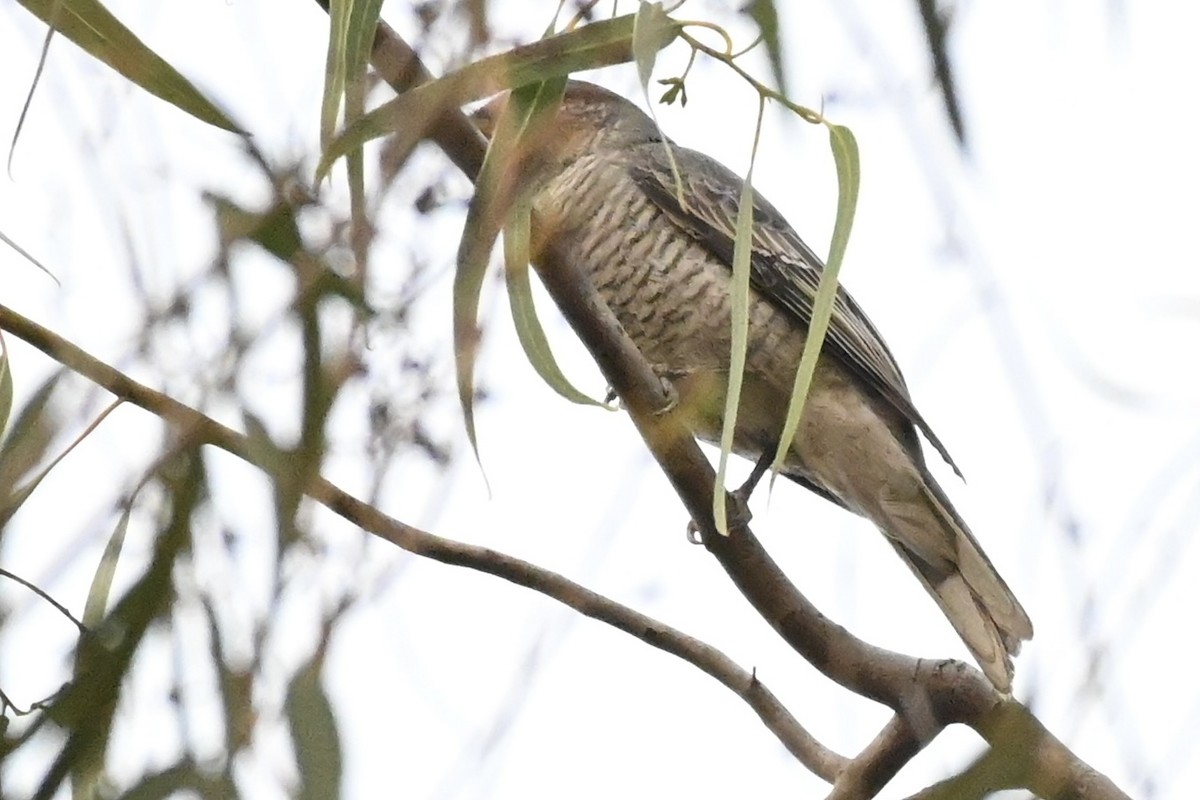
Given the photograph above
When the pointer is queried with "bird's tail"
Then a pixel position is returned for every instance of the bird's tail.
(966, 586)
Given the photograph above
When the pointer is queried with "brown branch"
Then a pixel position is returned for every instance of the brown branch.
(871, 769)
(197, 427)
(927, 695)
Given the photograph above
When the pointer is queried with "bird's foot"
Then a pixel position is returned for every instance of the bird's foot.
(672, 397)
(664, 374)
(737, 516)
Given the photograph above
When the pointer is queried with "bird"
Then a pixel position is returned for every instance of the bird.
(654, 232)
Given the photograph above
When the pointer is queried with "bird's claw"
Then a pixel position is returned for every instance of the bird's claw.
(737, 513)
(737, 516)
(664, 375)
(672, 396)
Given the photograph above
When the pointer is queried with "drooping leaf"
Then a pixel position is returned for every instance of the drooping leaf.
(520, 297)
(502, 182)
(6, 386)
(90, 25)
(766, 17)
(352, 26)
(314, 733)
(845, 157)
(651, 27)
(25, 446)
(739, 297)
(102, 580)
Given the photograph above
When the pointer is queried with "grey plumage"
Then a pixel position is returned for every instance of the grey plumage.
(608, 196)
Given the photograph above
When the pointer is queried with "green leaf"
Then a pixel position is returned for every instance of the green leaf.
(766, 17)
(352, 26)
(314, 733)
(335, 67)
(25, 446)
(520, 297)
(97, 32)
(845, 157)
(652, 28)
(6, 386)
(410, 115)
(739, 298)
(502, 183)
(98, 593)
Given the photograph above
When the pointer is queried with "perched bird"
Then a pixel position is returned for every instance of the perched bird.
(660, 255)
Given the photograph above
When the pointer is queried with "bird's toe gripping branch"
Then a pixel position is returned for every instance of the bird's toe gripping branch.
(665, 375)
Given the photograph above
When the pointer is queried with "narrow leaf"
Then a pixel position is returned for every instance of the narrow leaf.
(24, 447)
(335, 67)
(352, 26)
(502, 182)
(97, 32)
(314, 733)
(28, 258)
(520, 297)
(97, 597)
(652, 30)
(845, 156)
(766, 17)
(739, 298)
(6, 386)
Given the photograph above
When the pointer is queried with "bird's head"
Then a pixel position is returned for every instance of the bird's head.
(590, 119)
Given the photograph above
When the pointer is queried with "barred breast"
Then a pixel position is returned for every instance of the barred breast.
(669, 293)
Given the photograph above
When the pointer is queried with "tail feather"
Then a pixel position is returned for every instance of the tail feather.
(961, 578)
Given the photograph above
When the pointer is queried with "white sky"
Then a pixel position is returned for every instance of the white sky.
(1042, 294)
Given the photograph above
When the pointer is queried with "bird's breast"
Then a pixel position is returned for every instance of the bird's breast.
(672, 296)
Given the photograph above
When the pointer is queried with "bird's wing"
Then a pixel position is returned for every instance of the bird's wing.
(782, 267)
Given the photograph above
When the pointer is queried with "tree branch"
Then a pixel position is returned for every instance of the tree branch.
(197, 427)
